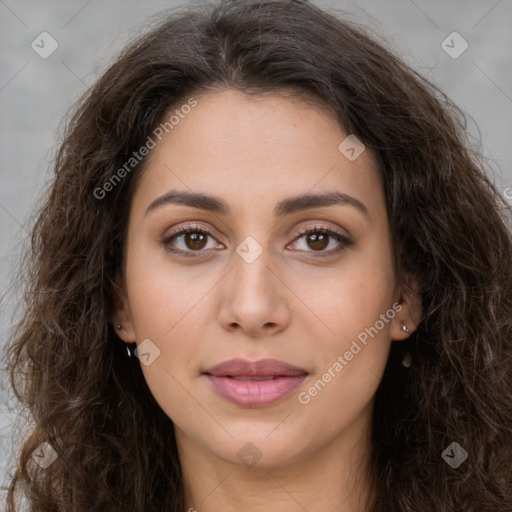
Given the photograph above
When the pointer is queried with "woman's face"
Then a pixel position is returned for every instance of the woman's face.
(253, 286)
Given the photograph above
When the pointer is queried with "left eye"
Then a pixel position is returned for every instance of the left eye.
(195, 239)
(318, 239)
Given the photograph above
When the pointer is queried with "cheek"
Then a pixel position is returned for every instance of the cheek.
(351, 296)
(350, 363)
(168, 310)
(356, 309)
(163, 295)
(167, 307)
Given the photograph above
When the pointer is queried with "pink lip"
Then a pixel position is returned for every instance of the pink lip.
(280, 379)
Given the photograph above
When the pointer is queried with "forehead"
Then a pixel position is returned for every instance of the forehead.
(266, 146)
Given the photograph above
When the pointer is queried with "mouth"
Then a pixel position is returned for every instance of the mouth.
(254, 383)
(271, 377)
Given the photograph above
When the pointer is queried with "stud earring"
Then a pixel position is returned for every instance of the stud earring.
(119, 326)
(404, 328)
(407, 360)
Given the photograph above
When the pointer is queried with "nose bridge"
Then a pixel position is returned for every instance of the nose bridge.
(251, 273)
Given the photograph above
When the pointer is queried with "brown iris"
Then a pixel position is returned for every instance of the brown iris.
(195, 240)
(318, 241)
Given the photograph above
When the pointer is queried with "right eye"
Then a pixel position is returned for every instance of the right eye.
(193, 240)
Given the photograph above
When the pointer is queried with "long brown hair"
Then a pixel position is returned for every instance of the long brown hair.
(115, 445)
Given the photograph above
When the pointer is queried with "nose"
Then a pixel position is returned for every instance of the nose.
(253, 298)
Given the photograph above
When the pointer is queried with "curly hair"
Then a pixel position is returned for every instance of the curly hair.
(450, 230)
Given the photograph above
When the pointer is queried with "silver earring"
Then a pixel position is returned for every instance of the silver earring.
(128, 351)
(407, 360)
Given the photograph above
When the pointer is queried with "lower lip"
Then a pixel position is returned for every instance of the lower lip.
(255, 393)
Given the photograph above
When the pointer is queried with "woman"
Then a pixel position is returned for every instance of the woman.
(268, 275)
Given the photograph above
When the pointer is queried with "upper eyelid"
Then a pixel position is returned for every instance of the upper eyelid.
(301, 231)
(333, 232)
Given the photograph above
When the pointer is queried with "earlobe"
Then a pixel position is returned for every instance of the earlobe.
(408, 318)
(121, 317)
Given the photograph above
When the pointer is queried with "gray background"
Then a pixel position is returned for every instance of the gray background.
(36, 93)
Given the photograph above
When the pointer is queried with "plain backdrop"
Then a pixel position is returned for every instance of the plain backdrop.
(36, 93)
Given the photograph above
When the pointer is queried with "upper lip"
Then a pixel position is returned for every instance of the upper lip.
(262, 368)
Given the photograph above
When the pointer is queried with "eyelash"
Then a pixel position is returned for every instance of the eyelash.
(187, 229)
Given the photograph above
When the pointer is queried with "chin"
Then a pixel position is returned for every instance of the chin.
(264, 448)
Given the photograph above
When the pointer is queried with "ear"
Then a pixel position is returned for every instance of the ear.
(122, 313)
(408, 311)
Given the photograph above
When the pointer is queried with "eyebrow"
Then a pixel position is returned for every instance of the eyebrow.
(285, 207)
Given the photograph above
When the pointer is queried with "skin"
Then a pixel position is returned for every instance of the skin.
(291, 303)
